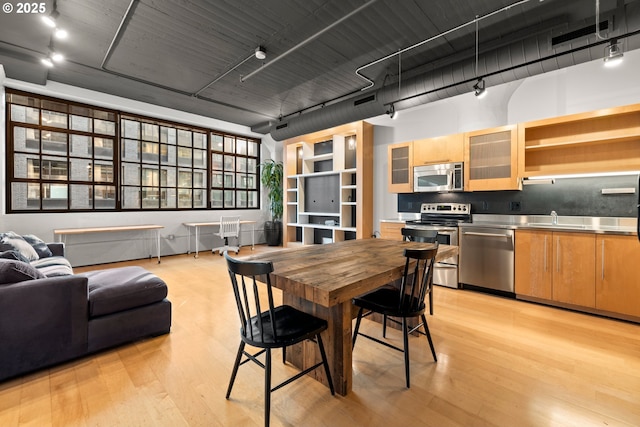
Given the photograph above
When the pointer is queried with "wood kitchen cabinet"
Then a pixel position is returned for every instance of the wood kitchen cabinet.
(556, 266)
(491, 159)
(442, 149)
(617, 279)
(391, 230)
(400, 173)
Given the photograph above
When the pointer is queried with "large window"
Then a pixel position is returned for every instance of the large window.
(64, 156)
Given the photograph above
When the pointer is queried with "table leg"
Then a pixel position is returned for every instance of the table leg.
(197, 240)
(253, 236)
(337, 341)
(158, 244)
(188, 240)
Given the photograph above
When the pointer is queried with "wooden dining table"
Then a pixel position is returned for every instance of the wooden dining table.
(322, 280)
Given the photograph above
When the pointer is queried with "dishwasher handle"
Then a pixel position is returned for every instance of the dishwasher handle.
(475, 233)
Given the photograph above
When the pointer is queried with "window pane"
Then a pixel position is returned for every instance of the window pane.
(241, 164)
(169, 198)
(130, 174)
(103, 148)
(167, 135)
(229, 199)
(54, 142)
(184, 156)
(103, 172)
(54, 196)
(252, 181)
(252, 166)
(228, 180)
(216, 179)
(54, 168)
(168, 155)
(184, 179)
(252, 149)
(26, 166)
(199, 140)
(216, 161)
(217, 142)
(150, 132)
(199, 179)
(130, 129)
(184, 138)
(104, 127)
(216, 199)
(150, 152)
(26, 139)
(25, 114)
(241, 199)
(241, 146)
(229, 144)
(80, 170)
(130, 150)
(252, 199)
(199, 157)
(229, 163)
(241, 180)
(150, 177)
(150, 198)
(80, 146)
(81, 196)
(81, 123)
(168, 177)
(25, 196)
(199, 199)
(54, 119)
(105, 197)
(131, 198)
(184, 198)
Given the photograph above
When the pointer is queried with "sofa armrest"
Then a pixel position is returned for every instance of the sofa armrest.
(42, 322)
(56, 248)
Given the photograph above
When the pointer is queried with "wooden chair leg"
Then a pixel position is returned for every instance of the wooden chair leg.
(235, 368)
(267, 388)
(405, 339)
(431, 302)
(426, 329)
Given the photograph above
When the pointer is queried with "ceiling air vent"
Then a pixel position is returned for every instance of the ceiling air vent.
(282, 126)
(578, 33)
(364, 100)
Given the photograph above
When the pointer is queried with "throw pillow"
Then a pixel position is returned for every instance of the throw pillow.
(13, 255)
(12, 271)
(40, 246)
(12, 241)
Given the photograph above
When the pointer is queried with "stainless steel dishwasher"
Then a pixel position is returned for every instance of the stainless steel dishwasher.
(487, 258)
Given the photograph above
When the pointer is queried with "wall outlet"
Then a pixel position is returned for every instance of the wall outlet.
(171, 237)
(514, 206)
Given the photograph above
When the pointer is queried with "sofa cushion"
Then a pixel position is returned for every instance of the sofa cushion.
(53, 266)
(13, 254)
(123, 288)
(13, 271)
(12, 241)
(38, 245)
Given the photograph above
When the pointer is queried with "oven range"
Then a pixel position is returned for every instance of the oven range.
(444, 218)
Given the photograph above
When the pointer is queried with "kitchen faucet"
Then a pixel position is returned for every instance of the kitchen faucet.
(554, 218)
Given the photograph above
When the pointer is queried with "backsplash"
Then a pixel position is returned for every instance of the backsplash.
(567, 196)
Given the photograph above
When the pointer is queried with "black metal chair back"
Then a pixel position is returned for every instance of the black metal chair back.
(418, 235)
(417, 280)
(265, 326)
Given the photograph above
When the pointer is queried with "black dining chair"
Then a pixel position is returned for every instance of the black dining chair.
(405, 302)
(423, 236)
(275, 327)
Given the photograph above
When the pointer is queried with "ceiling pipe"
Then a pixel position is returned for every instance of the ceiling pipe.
(118, 35)
(371, 83)
(307, 40)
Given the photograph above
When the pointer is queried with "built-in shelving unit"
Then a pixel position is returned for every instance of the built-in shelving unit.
(598, 141)
(328, 185)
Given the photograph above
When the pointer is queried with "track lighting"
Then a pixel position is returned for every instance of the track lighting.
(57, 57)
(613, 54)
(50, 20)
(61, 34)
(392, 112)
(48, 61)
(261, 53)
(479, 88)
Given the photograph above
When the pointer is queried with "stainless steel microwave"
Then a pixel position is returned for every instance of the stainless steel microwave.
(438, 178)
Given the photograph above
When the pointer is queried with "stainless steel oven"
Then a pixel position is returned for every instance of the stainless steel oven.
(443, 218)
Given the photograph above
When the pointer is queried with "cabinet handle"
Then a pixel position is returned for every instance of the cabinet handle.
(558, 254)
(545, 253)
(602, 261)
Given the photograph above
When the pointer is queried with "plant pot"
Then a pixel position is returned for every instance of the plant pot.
(273, 232)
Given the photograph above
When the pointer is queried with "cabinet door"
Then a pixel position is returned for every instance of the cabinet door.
(400, 168)
(534, 266)
(574, 268)
(391, 230)
(443, 149)
(617, 279)
(491, 159)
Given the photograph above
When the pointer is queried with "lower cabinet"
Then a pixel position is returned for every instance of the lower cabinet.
(617, 279)
(556, 266)
(391, 230)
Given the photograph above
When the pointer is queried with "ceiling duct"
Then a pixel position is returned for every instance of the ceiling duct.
(520, 59)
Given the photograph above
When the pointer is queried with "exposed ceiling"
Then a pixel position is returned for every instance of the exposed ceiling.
(197, 56)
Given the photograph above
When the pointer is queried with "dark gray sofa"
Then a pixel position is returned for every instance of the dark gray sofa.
(46, 321)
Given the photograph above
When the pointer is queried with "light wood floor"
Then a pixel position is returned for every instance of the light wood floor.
(500, 363)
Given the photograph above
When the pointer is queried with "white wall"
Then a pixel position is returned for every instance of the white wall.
(92, 249)
(585, 87)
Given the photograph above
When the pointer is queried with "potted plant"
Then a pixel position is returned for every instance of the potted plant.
(271, 178)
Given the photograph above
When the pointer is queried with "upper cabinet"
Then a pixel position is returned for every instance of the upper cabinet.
(328, 185)
(598, 141)
(443, 149)
(491, 159)
(400, 171)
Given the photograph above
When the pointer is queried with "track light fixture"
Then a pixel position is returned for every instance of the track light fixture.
(613, 54)
(47, 61)
(261, 53)
(50, 19)
(479, 88)
(392, 112)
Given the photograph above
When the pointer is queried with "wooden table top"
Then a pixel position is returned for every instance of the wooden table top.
(334, 273)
